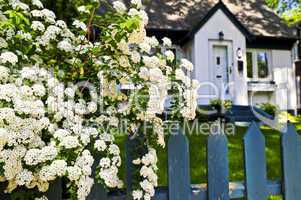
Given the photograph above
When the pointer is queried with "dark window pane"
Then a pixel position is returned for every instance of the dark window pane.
(249, 65)
(262, 62)
(218, 60)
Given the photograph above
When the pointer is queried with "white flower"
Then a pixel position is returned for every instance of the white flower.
(83, 9)
(48, 153)
(80, 25)
(41, 198)
(151, 62)
(3, 43)
(114, 149)
(48, 15)
(100, 145)
(170, 55)
(195, 84)
(148, 187)
(37, 3)
(180, 75)
(137, 194)
(39, 90)
(92, 107)
(65, 46)
(145, 47)
(84, 185)
(152, 41)
(137, 3)
(38, 26)
(133, 12)
(36, 13)
(9, 57)
(47, 173)
(69, 92)
(186, 64)
(61, 24)
(59, 167)
(143, 15)
(74, 172)
(124, 47)
(105, 162)
(69, 142)
(18, 4)
(167, 42)
(135, 57)
(24, 177)
(32, 157)
(61, 133)
(144, 73)
(4, 73)
(155, 74)
(119, 6)
(137, 161)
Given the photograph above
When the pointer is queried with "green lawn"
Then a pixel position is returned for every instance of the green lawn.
(235, 144)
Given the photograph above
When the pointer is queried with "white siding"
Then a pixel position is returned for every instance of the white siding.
(199, 49)
(203, 71)
(285, 79)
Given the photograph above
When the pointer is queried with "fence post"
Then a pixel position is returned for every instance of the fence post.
(255, 164)
(178, 167)
(55, 190)
(3, 196)
(134, 148)
(217, 167)
(291, 163)
(98, 190)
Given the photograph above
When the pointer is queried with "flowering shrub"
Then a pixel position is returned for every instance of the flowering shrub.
(63, 97)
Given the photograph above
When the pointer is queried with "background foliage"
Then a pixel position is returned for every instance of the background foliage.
(289, 10)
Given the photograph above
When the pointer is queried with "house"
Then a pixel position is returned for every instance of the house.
(241, 50)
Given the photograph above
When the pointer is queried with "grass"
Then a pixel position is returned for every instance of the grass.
(198, 166)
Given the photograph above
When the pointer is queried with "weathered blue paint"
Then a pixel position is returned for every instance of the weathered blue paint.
(132, 146)
(98, 191)
(291, 163)
(256, 186)
(255, 164)
(55, 190)
(217, 167)
(178, 167)
(199, 192)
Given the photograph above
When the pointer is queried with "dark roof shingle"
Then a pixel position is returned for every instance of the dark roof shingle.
(258, 18)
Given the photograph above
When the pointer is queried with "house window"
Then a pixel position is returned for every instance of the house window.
(258, 65)
(262, 64)
(249, 65)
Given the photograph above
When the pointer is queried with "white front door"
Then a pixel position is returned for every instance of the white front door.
(221, 70)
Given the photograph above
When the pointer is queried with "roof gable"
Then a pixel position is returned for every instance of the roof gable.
(184, 15)
(219, 6)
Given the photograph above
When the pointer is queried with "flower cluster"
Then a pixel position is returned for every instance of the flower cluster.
(148, 172)
(52, 125)
(27, 117)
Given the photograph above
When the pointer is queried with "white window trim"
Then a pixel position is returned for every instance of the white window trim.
(295, 52)
(255, 65)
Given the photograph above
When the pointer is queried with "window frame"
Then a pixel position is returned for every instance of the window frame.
(255, 77)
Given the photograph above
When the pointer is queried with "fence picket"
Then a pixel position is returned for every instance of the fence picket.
(255, 164)
(178, 167)
(291, 163)
(55, 190)
(134, 148)
(218, 169)
(98, 191)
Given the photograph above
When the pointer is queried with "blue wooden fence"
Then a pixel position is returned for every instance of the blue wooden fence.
(254, 187)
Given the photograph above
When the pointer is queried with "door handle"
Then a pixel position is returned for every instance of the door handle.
(218, 76)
